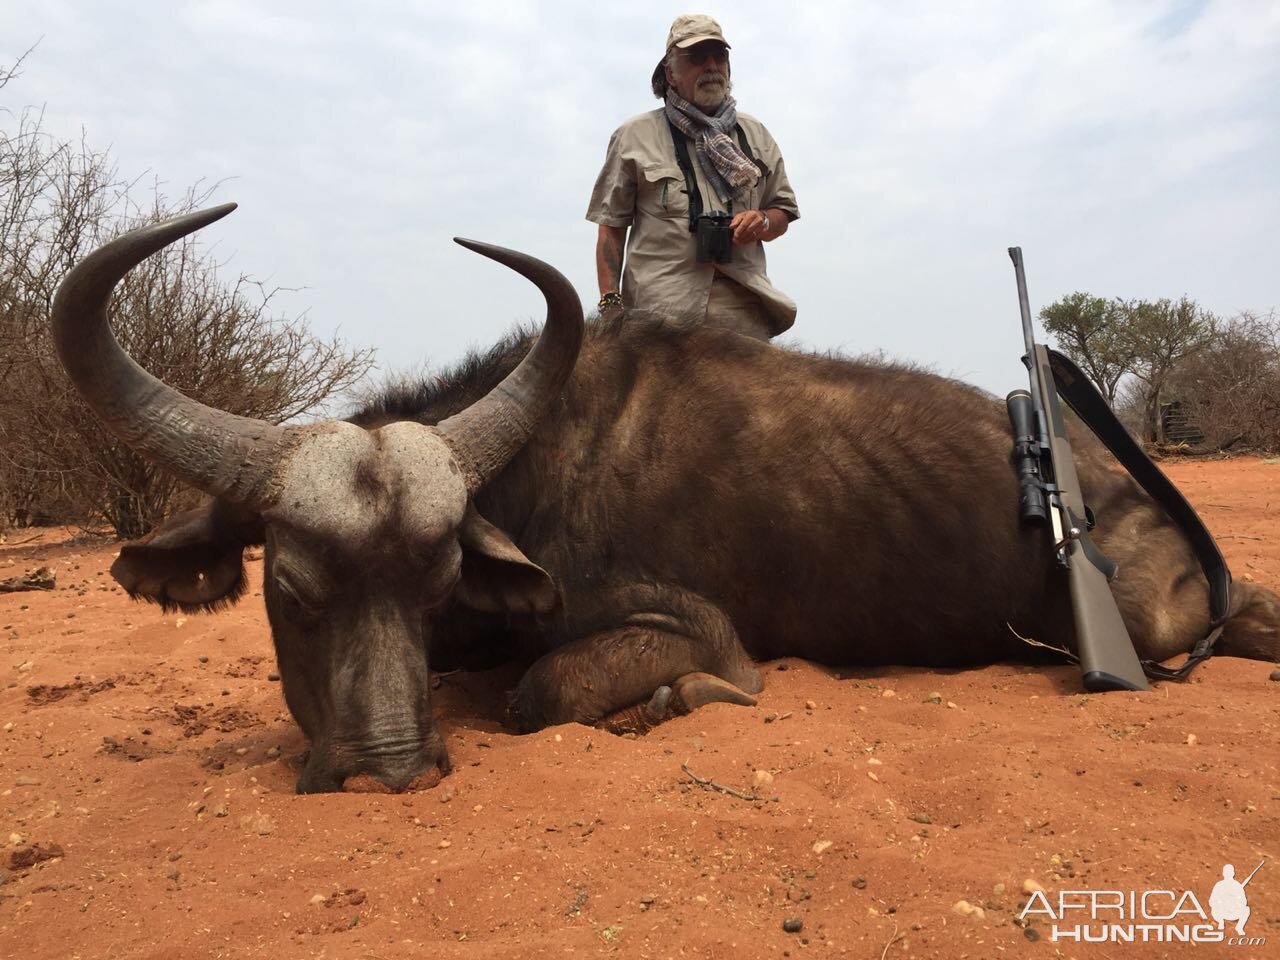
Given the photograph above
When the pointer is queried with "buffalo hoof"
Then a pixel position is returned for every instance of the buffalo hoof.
(695, 690)
(687, 694)
(642, 717)
(659, 704)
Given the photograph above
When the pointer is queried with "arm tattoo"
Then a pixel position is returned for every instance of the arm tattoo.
(609, 259)
(613, 256)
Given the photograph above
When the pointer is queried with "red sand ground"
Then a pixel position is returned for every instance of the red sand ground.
(151, 756)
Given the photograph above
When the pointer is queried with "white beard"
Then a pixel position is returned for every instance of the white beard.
(708, 96)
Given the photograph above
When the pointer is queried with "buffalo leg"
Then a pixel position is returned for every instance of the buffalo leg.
(1253, 630)
(675, 640)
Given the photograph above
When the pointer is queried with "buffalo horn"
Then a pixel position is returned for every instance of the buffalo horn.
(487, 434)
(218, 452)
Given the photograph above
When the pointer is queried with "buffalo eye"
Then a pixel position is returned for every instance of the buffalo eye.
(292, 591)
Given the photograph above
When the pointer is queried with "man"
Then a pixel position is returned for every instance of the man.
(1228, 900)
(701, 187)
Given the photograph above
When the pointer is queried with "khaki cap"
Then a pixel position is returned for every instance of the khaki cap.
(686, 30)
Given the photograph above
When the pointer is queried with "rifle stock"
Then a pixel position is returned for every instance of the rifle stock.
(1107, 658)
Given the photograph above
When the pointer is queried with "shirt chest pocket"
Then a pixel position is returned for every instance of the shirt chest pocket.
(662, 193)
(753, 197)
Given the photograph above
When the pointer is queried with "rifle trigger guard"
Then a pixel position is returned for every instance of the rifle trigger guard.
(1073, 533)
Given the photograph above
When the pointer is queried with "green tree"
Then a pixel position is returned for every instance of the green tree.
(1093, 332)
(1164, 333)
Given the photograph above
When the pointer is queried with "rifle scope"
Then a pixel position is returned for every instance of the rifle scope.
(1032, 507)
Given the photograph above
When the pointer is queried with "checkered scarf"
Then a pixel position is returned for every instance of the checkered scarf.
(725, 166)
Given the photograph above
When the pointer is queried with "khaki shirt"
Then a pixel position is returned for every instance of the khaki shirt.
(642, 187)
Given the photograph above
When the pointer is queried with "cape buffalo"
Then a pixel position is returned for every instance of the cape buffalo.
(677, 503)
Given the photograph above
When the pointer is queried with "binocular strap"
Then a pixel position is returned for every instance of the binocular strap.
(690, 180)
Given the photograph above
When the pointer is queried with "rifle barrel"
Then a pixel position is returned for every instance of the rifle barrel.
(1038, 399)
(1255, 870)
(1024, 303)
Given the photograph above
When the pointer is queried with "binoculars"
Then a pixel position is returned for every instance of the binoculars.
(714, 238)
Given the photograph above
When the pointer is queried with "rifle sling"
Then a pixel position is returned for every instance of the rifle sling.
(1203, 650)
(1083, 397)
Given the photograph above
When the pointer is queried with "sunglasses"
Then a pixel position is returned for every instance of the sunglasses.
(699, 55)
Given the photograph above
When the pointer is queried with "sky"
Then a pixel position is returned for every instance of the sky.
(1129, 148)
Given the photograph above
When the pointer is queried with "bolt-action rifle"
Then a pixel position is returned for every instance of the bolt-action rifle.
(1050, 496)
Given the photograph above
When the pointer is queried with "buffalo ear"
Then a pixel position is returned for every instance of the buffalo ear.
(192, 561)
(496, 576)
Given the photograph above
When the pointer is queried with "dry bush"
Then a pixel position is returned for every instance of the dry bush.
(1231, 388)
(218, 342)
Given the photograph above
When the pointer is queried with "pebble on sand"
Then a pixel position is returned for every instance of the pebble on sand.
(966, 909)
(792, 925)
(259, 823)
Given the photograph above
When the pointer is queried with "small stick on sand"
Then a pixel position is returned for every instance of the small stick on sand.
(1046, 646)
(892, 940)
(712, 785)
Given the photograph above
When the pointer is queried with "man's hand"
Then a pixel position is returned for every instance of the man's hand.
(752, 226)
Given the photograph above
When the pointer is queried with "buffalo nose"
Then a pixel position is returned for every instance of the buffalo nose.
(315, 779)
(368, 783)
(322, 780)
(333, 770)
